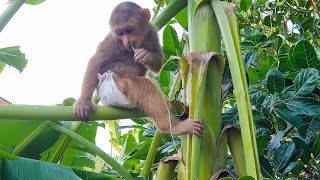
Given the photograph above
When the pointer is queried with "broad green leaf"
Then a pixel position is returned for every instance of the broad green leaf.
(34, 2)
(171, 65)
(289, 116)
(251, 58)
(115, 135)
(29, 169)
(303, 145)
(13, 57)
(171, 44)
(265, 167)
(245, 4)
(231, 116)
(283, 155)
(253, 75)
(164, 80)
(285, 63)
(21, 130)
(265, 64)
(306, 81)
(310, 127)
(182, 18)
(305, 105)
(289, 168)
(275, 143)
(258, 97)
(275, 81)
(262, 142)
(6, 155)
(304, 55)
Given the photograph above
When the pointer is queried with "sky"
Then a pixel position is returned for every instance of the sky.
(58, 38)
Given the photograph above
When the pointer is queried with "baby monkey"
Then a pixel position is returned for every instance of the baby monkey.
(126, 53)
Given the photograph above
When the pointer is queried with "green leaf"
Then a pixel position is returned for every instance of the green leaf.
(283, 155)
(289, 116)
(231, 117)
(171, 44)
(34, 2)
(302, 144)
(21, 130)
(304, 55)
(182, 18)
(265, 167)
(29, 169)
(305, 105)
(306, 81)
(258, 97)
(265, 64)
(13, 57)
(262, 142)
(310, 127)
(285, 63)
(245, 4)
(275, 81)
(253, 75)
(289, 168)
(275, 143)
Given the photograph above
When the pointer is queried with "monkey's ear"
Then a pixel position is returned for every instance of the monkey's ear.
(146, 13)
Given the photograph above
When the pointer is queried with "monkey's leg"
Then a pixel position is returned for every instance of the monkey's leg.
(143, 94)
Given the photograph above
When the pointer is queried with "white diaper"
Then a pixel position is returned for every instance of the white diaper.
(108, 92)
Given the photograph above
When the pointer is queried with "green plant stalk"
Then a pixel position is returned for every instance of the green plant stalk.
(167, 14)
(156, 11)
(166, 170)
(240, 89)
(65, 143)
(29, 139)
(232, 19)
(93, 149)
(205, 36)
(237, 152)
(151, 154)
(55, 113)
(11, 10)
(67, 140)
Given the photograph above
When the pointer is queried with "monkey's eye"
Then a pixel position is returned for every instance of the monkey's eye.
(120, 33)
(128, 31)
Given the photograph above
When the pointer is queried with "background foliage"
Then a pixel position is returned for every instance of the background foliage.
(280, 46)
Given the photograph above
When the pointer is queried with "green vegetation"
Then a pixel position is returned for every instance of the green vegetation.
(251, 75)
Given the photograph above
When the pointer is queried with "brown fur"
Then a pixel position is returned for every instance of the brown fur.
(115, 53)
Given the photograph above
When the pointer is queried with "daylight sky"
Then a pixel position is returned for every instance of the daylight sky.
(58, 37)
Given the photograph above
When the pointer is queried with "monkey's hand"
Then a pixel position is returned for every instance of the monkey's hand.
(143, 56)
(82, 109)
(193, 126)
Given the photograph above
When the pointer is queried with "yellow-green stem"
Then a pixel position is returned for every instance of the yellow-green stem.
(29, 139)
(65, 143)
(93, 149)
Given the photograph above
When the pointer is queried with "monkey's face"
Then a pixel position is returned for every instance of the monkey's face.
(131, 36)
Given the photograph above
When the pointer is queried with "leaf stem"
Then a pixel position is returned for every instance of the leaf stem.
(93, 149)
(11, 10)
